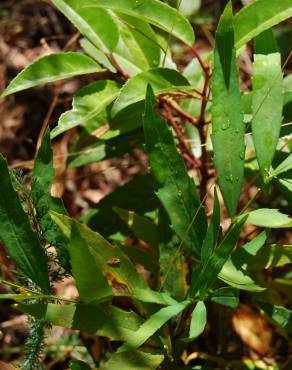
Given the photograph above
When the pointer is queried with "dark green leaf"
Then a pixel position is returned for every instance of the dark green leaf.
(42, 178)
(50, 68)
(265, 43)
(205, 276)
(176, 190)
(212, 234)
(20, 240)
(227, 121)
(142, 227)
(225, 296)
(79, 365)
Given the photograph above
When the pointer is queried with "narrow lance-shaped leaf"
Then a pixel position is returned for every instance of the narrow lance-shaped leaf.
(97, 26)
(267, 103)
(92, 285)
(265, 43)
(42, 178)
(206, 274)
(50, 68)
(176, 190)
(227, 121)
(20, 240)
(199, 320)
(151, 11)
(212, 234)
(152, 325)
(258, 17)
(285, 166)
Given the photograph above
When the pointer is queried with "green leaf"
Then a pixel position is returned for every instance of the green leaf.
(270, 218)
(238, 278)
(150, 296)
(138, 48)
(137, 195)
(258, 17)
(281, 315)
(227, 121)
(88, 103)
(20, 240)
(188, 8)
(265, 43)
(199, 320)
(212, 234)
(109, 259)
(150, 11)
(98, 319)
(162, 80)
(274, 255)
(79, 365)
(176, 190)
(42, 178)
(142, 227)
(97, 26)
(152, 325)
(267, 103)
(225, 296)
(133, 360)
(284, 166)
(90, 281)
(50, 68)
(22, 297)
(206, 274)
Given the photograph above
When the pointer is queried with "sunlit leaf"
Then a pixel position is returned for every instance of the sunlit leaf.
(50, 68)
(270, 218)
(199, 320)
(259, 16)
(88, 103)
(151, 11)
(281, 315)
(161, 79)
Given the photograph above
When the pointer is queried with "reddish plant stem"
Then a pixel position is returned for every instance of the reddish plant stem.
(118, 67)
(181, 112)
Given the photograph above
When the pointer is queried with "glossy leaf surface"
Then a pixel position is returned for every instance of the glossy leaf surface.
(50, 68)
